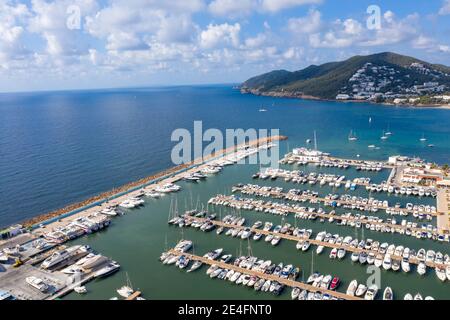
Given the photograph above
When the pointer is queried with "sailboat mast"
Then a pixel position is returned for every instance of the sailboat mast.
(315, 140)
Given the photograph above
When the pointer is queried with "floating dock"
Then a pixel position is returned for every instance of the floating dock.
(286, 282)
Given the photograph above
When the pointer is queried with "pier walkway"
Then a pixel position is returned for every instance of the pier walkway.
(302, 198)
(335, 216)
(286, 282)
(311, 241)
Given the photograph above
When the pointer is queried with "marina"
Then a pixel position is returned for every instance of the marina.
(299, 228)
(323, 239)
(271, 280)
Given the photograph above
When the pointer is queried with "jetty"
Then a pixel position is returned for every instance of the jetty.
(296, 239)
(286, 282)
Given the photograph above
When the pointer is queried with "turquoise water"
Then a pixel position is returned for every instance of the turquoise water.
(137, 239)
(62, 147)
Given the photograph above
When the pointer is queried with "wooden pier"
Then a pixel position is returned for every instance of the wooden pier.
(311, 241)
(286, 282)
(134, 295)
(338, 217)
(302, 198)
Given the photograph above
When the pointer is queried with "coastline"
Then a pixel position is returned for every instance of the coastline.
(276, 94)
(127, 188)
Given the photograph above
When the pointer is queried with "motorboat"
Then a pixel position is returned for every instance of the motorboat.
(333, 253)
(110, 268)
(418, 296)
(351, 290)
(125, 291)
(405, 265)
(371, 293)
(421, 268)
(80, 289)
(355, 256)
(361, 290)
(295, 293)
(388, 294)
(335, 283)
(341, 253)
(56, 258)
(387, 262)
(440, 273)
(319, 249)
(36, 283)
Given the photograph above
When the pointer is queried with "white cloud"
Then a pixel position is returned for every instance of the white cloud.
(309, 24)
(50, 22)
(240, 8)
(11, 32)
(278, 5)
(220, 35)
(445, 9)
(444, 48)
(342, 34)
(232, 8)
(257, 41)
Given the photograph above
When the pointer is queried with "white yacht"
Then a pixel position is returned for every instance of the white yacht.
(351, 290)
(107, 270)
(352, 137)
(388, 294)
(387, 262)
(80, 289)
(422, 268)
(371, 293)
(55, 258)
(37, 283)
(360, 290)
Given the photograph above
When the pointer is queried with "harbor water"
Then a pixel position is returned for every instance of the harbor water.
(63, 147)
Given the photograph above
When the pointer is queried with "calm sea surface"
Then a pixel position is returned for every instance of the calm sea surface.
(61, 147)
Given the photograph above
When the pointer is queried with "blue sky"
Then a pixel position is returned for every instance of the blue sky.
(79, 44)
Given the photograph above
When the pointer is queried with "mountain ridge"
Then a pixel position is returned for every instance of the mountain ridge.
(384, 74)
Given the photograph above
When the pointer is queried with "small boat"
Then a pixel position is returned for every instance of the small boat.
(341, 253)
(421, 268)
(423, 139)
(388, 294)
(408, 296)
(371, 293)
(295, 293)
(440, 273)
(351, 290)
(360, 290)
(319, 249)
(335, 283)
(418, 296)
(195, 266)
(80, 289)
(333, 253)
(352, 137)
(125, 291)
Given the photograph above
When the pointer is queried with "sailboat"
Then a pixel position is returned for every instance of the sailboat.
(351, 136)
(384, 136)
(423, 139)
(126, 290)
(388, 132)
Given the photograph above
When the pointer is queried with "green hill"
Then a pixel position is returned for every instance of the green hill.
(328, 80)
